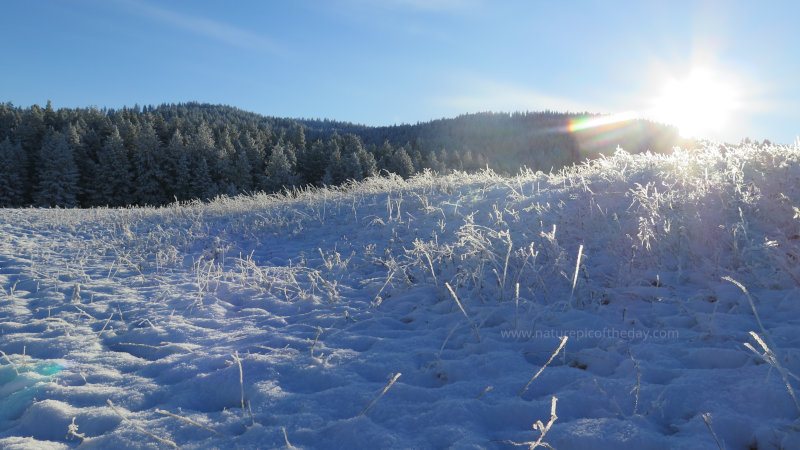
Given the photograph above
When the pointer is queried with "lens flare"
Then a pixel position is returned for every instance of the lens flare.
(593, 136)
(604, 121)
(20, 385)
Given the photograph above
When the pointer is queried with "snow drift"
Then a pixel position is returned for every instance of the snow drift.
(393, 313)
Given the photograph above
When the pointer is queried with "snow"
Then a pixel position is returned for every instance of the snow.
(276, 321)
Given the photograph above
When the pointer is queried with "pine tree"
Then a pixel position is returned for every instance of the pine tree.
(224, 169)
(92, 142)
(178, 172)
(200, 185)
(466, 161)
(383, 156)
(148, 164)
(13, 174)
(204, 159)
(298, 138)
(58, 173)
(433, 163)
(417, 159)
(49, 116)
(401, 163)
(312, 163)
(255, 161)
(87, 167)
(357, 162)
(279, 169)
(30, 133)
(443, 160)
(335, 171)
(9, 119)
(113, 172)
(362, 165)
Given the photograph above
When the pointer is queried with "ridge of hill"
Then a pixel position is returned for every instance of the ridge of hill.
(156, 154)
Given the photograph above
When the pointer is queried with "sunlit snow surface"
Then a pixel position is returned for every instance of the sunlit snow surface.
(303, 309)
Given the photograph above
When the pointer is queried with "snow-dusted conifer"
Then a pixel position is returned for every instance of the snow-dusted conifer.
(255, 160)
(200, 184)
(311, 163)
(401, 163)
(241, 167)
(114, 172)
(58, 173)
(149, 167)
(13, 175)
(224, 170)
(334, 172)
(178, 172)
(279, 169)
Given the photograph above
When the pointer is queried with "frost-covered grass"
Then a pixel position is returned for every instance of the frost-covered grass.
(628, 287)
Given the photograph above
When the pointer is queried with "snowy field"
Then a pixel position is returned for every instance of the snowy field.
(427, 313)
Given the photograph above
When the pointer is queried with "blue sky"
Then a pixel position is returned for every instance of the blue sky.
(404, 61)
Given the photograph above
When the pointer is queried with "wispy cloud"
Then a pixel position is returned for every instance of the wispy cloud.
(433, 5)
(209, 28)
(477, 94)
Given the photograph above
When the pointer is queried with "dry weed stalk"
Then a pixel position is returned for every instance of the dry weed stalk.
(388, 385)
(138, 427)
(552, 357)
(455, 297)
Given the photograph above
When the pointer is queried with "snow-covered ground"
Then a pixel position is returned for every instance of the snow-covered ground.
(266, 322)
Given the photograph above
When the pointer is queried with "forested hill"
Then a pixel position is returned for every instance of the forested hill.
(507, 141)
(156, 154)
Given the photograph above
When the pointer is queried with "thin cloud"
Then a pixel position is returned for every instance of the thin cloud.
(218, 31)
(433, 5)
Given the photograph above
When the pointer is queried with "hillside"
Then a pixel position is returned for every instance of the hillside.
(507, 142)
(155, 155)
(612, 301)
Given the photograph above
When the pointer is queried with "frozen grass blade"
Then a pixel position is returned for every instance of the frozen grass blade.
(105, 324)
(488, 388)
(138, 427)
(84, 312)
(552, 357)
(638, 386)
(14, 366)
(241, 377)
(455, 297)
(505, 265)
(319, 332)
(289, 446)
(378, 299)
(575, 276)
(430, 264)
(707, 419)
(372, 403)
(187, 420)
(769, 357)
(750, 299)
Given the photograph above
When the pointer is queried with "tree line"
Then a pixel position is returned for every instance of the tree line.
(154, 155)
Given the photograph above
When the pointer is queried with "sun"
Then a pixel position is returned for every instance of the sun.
(699, 105)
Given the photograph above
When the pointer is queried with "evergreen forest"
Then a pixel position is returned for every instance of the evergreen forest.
(155, 155)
